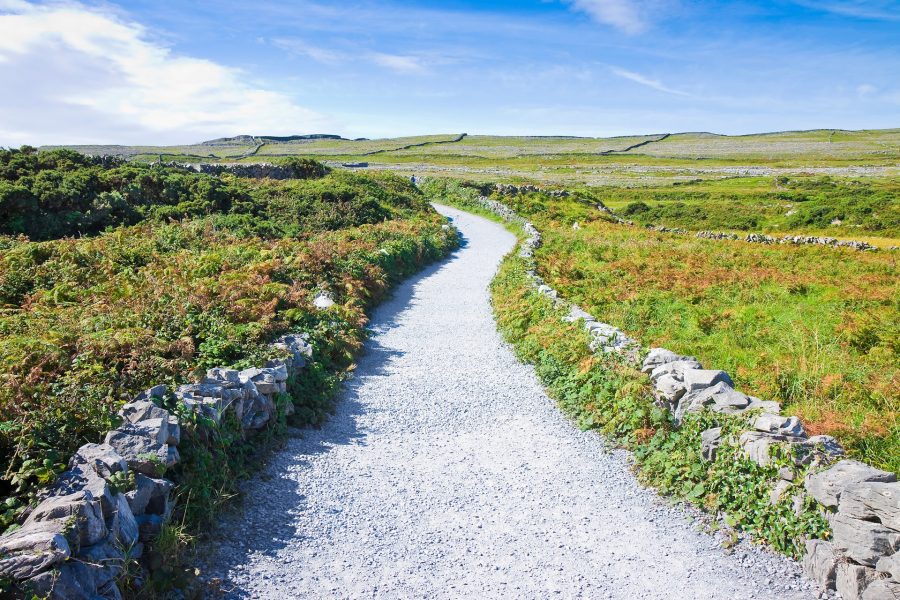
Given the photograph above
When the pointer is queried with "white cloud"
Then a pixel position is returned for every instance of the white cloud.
(78, 74)
(621, 14)
(646, 81)
(397, 62)
(878, 10)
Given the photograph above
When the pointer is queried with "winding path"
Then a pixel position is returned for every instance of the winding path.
(446, 472)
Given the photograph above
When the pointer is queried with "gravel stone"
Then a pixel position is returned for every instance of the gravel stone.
(446, 472)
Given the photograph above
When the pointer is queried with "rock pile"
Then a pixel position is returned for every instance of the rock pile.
(112, 499)
(862, 560)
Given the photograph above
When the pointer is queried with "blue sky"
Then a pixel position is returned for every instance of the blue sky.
(167, 71)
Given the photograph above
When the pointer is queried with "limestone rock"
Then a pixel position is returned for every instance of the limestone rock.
(820, 563)
(174, 431)
(31, 550)
(669, 389)
(660, 356)
(150, 496)
(882, 589)
(775, 423)
(781, 486)
(102, 458)
(80, 509)
(826, 486)
(852, 580)
(863, 541)
(142, 445)
(890, 565)
(323, 300)
(720, 397)
(123, 527)
(700, 379)
(872, 500)
(676, 368)
(141, 410)
(711, 440)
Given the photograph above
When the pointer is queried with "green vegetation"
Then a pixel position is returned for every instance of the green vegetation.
(814, 328)
(609, 396)
(203, 272)
(796, 205)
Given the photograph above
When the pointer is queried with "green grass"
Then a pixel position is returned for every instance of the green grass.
(814, 328)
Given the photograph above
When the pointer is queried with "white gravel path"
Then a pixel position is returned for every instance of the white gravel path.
(446, 472)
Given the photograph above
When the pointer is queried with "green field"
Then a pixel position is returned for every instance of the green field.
(815, 328)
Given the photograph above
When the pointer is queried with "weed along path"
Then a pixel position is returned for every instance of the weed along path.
(446, 472)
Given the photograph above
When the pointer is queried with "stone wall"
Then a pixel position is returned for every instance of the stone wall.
(862, 504)
(250, 170)
(113, 497)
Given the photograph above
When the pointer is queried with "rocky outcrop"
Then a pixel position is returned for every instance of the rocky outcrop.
(112, 499)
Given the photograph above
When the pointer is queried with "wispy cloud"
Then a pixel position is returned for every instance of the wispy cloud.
(93, 77)
(398, 62)
(884, 10)
(648, 82)
(317, 53)
(624, 15)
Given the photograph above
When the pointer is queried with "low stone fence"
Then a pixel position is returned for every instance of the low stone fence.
(761, 238)
(862, 504)
(248, 170)
(113, 498)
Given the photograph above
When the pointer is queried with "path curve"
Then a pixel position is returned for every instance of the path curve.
(446, 472)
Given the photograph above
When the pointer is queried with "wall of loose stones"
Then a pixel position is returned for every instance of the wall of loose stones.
(862, 504)
(113, 497)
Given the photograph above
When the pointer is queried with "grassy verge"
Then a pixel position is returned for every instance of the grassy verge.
(814, 328)
(604, 394)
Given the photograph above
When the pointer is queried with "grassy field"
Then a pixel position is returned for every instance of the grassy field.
(152, 275)
(814, 328)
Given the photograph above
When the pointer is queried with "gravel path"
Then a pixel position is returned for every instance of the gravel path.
(446, 472)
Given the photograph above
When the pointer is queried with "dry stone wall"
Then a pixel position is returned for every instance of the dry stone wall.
(113, 497)
(862, 504)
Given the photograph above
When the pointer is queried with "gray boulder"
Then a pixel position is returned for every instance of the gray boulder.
(721, 398)
(80, 509)
(102, 458)
(852, 580)
(826, 486)
(700, 379)
(775, 423)
(123, 527)
(150, 496)
(820, 563)
(669, 389)
(676, 368)
(882, 589)
(872, 500)
(30, 550)
(660, 356)
(711, 439)
(141, 410)
(863, 541)
(142, 445)
(890, 565)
